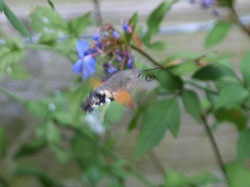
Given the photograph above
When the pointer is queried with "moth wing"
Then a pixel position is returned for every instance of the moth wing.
(123, 97)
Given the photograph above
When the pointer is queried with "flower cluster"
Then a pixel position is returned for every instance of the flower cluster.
(111, 46)
(204, 3)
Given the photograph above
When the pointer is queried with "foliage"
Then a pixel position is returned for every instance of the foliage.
(206, 85)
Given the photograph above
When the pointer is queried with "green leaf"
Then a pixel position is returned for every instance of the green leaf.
(192, 104)
(45, 20)
(185, 68)
(63, 155)
(238, 175)
(156, 119)
(79, 24)
(75, 99)
(230, 95)
(39, 108)
(51, 4)
(114, 112)
(30, 148)
(218, 33)
(133, 20)
(156, 46)
(3, 143)
(167, 79)
(175, 179)
(45, 179)
(174, 115)
(245, 67)
(85, 151)
(1, 5)
(244, 145)
(19, 26)
(234, 115)
(135, 118)
(213, 72)
(49, 132)
(155, 18)
(63, 117)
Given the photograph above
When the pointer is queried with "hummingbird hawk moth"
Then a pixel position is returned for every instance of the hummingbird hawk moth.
(119, 87)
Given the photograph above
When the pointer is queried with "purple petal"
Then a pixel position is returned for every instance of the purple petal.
(81, 47)
(77, 68)
(89, 67)
(116, 35)
(112, 70)
(96, 37)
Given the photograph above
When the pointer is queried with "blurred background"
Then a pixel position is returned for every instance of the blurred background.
(184, 29)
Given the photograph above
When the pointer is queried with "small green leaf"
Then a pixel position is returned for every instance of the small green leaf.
(245, 69)
(234, 115)
(30, 148)
(3, 143)
(1, 5)
(49, 132)
(167, 79)
(175, 179)
(63, 117)
(63, 155)
(133, 20)
(192, 104)
(155, 18)
(238, 175)
(20, 27)
(85, 151)
(135, 118)
(156, 119)
(78, 25)
(174, 115)
(39, 108)
(45, 20)
(114, 112)
(185, 68)
(51, 4)
(230, 95)
(45, 179)
(213, 72)
(244, 145)
(218, 33)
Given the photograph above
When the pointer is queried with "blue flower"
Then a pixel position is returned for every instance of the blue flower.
(96, 37)
(86, 63)
(130, 63)
(127, 28)
(116, 35)
(112, 69)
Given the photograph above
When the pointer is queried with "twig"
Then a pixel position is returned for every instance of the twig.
(157, 163)
(243, 27)
(145, 54)
(214, 146)
(98, 14)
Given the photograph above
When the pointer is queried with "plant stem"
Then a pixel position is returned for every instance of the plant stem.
(157, 163)
(237, 18)
(146, 55)
(12, 96)
(214, 146)
(49, 48)
(98, 14)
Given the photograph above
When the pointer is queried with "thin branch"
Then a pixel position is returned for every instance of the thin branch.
(214, 146)
(146, 55)
(98, 14)
(237, 18)
(157, 163)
